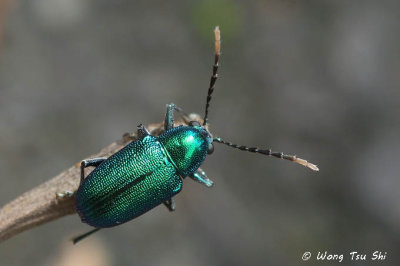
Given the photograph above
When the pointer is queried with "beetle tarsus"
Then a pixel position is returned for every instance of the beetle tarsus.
(201, 177)
(79, 238)
(142, 131)
(65, 194)
(183, 114)
(90, 162)
(170, 204)
(169, 117)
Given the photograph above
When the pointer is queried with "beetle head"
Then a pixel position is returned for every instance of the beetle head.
(187, 147)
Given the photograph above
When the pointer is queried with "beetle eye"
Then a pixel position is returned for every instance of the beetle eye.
(194, 124)
(210, 148)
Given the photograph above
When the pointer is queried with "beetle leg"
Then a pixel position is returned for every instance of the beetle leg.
(79, 238)
(201, 177)
(169, 117)
(186, 117)
(170, 204)
(142, 131)
(90, 162)
(65, 194)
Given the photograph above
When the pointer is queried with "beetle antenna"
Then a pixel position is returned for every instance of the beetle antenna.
(214, 76)
(268, 152)
(79, 238)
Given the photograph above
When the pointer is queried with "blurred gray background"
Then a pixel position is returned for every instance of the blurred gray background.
(314, 78)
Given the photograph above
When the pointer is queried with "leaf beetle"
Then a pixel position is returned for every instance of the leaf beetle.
(150, 171)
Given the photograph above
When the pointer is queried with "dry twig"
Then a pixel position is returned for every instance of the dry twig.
(41, 204)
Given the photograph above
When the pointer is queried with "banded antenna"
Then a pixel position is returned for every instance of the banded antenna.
(268, 152)
(214, 76)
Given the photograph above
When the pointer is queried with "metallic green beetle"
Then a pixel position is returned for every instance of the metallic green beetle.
(150, 170)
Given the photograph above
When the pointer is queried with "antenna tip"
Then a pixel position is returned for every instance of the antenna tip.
(306, 164)
(313, 167)
(217, 35)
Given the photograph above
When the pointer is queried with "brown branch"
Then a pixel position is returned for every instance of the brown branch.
(41, 204)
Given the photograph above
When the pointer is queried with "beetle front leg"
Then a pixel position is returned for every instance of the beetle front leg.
(90, 162)
(201, 177)
(186, 117)
(169, 117)
(170, 204)
(142, 131)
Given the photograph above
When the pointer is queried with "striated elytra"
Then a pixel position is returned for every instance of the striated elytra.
(144, 174)
(150, 170)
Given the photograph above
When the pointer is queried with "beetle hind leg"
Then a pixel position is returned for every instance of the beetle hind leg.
(90, 162)
(79, 238)
(170, 204)
(84, 163)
